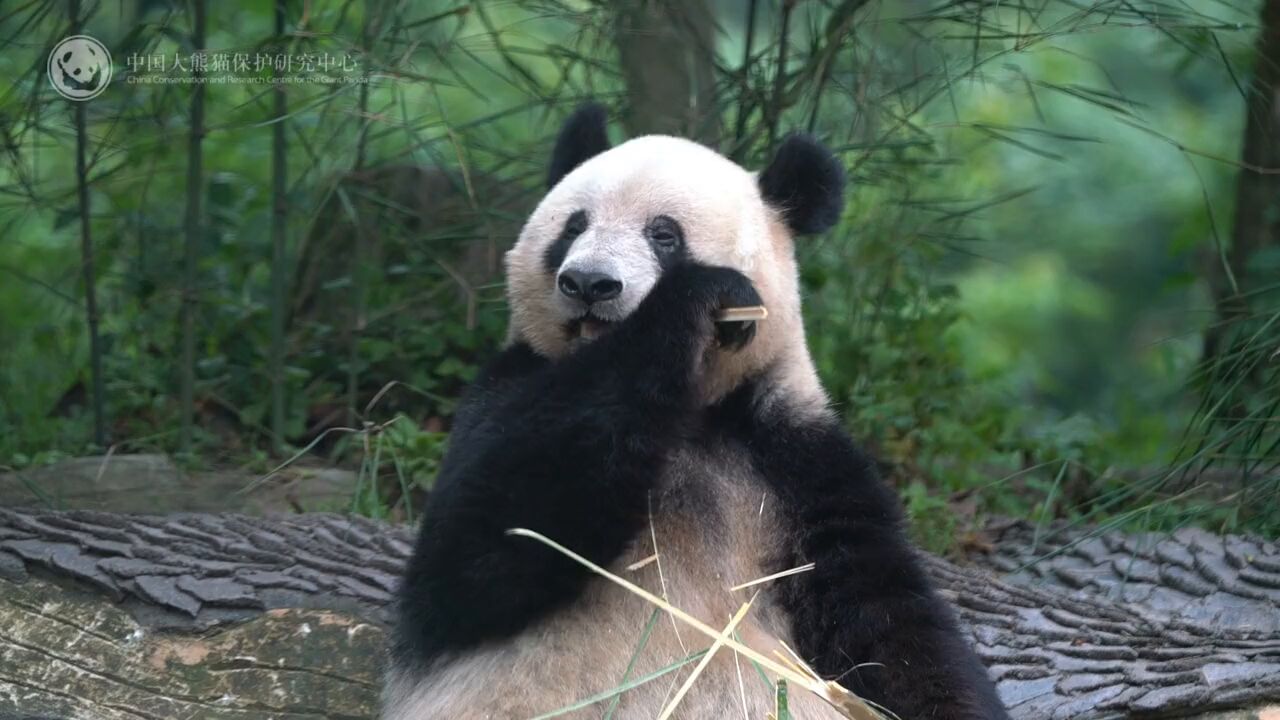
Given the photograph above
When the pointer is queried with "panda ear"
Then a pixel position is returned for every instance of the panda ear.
(583, 136)
(805, 183)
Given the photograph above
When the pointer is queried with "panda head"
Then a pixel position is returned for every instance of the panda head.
(614, 219)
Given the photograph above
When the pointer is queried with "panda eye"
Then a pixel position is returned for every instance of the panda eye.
(575, 225)
(664, 232)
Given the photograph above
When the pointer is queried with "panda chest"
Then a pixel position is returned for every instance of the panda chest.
(709, 525)
(705, 534)
(712, 525)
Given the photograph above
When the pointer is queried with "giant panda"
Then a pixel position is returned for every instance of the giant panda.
(623, 422)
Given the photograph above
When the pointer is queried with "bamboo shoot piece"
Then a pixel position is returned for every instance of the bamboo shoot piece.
(742, 314)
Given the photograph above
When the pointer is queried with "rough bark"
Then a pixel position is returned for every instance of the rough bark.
(130, 483)
(1115, 625)
(667, 53)
(199, 615)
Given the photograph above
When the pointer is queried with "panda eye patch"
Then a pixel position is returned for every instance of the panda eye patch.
(576, 224)
(558, 249)
(665, 233)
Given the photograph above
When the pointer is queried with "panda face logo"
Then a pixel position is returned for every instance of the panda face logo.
(79, 68)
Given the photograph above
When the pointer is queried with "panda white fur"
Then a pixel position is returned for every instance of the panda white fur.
(623, 422)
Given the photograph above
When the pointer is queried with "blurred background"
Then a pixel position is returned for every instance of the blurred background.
(266, 258)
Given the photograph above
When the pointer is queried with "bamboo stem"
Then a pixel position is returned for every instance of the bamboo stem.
(195, 195)
(742, 314)
(87, 262)
(279, 218)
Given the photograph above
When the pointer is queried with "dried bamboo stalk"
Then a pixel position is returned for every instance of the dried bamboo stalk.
(742, 314)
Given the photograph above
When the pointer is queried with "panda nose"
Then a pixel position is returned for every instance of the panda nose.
(589, 287)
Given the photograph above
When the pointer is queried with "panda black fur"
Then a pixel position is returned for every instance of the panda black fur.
(641, 428)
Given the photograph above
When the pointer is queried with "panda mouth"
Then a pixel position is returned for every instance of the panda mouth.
(588, 327)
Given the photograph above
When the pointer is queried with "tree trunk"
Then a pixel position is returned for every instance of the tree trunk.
(109, 616)
(667, 51)
(1257, 215)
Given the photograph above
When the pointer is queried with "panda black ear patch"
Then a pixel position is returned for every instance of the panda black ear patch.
(583, 136)
(805, 183)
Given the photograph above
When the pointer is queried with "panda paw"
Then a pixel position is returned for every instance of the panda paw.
(734, 336)
(708, 289)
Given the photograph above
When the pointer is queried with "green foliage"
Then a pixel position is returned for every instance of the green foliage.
(1236, 428)
(415, 452)
(1010, 312)
(401, 454)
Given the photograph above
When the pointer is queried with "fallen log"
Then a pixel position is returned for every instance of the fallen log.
(110, 616)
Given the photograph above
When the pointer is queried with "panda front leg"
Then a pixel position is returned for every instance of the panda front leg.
(568, 448)
(866, 615)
